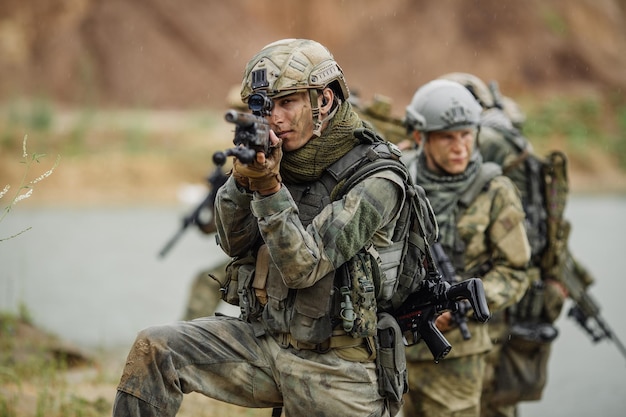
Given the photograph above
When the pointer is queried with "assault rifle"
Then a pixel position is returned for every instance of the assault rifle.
(444, 266)
(585, 311)
(416, 316)
(252, 131)
(252, 134)
(197, 216)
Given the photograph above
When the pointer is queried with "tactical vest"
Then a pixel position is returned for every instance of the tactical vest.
(373, 280)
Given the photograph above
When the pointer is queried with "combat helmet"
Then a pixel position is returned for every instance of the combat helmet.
(442, 105)
(475, 85)
(291, 65)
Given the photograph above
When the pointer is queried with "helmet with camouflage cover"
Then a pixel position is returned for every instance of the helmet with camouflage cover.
(291, 65)
(442, 105)
(475, 85)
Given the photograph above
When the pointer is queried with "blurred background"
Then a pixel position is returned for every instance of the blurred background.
(98, 81)
(131, 96)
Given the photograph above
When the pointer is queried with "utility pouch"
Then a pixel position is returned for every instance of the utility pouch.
(391, 362)
(389, 264)
(259, 282)
(276, 315)
(362, 272)
(521, 374)
(311, 319)
(230, 288)
(248, 302)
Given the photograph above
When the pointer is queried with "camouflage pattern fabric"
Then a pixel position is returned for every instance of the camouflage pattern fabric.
(304, 255)
(450, 388)
(487, 407)
(228, 359)
(378, 113)
(222, 358)
(493, 230)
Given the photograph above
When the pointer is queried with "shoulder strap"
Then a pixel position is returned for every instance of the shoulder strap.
(488, 171)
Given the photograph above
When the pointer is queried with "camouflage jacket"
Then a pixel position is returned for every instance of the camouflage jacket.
(306, 250)
(492, 228)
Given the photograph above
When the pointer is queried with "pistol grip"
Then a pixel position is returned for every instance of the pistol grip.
(436, 342)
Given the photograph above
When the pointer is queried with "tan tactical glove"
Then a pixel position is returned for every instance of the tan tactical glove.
(261, 177)
(241, 180)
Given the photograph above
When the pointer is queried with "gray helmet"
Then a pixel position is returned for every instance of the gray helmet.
(442, 105)
(475, 85)
(290, 65)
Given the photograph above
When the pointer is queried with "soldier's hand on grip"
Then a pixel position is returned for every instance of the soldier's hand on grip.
(263, 174)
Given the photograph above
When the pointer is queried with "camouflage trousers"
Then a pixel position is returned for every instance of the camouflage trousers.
(450, 388)
(221, 358)
(488, 408)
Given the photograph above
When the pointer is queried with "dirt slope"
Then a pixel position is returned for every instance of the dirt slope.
(172, 54)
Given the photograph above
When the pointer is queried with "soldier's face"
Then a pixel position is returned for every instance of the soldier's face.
(449, 151)
(292, 120)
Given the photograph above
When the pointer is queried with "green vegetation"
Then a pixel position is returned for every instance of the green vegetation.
(553, 20)
(32, 378)
(25, 187)
(81, 131)
(580, 123)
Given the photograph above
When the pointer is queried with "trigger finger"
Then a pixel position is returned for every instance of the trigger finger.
(274, 140)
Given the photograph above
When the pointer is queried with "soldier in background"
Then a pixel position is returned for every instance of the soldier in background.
(378, 112)
(204, 293)
(517, 366)
(481, 224)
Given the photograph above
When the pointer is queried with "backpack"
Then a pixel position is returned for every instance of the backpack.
(543, 187)
(521, 372)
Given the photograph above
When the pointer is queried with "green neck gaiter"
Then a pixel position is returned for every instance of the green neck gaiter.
(307, 163)
(444, 192)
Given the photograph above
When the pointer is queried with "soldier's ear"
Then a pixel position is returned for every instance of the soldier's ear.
(327, 100)
(417, 138)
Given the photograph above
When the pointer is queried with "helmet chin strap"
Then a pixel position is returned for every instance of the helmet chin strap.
(315, 110)
(318, 121)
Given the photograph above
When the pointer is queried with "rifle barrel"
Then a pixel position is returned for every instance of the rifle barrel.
(170, 243)
(611, 335)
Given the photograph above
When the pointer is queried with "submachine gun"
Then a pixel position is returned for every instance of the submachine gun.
(416, 316)
(252, 133)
